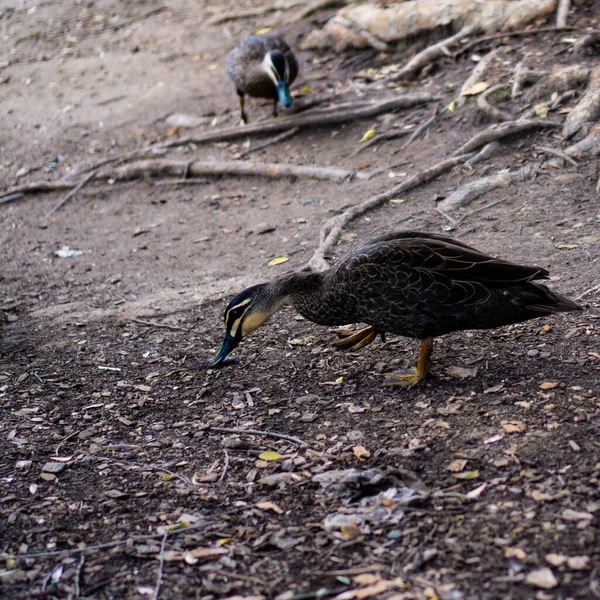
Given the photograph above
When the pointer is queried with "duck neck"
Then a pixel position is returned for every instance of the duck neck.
(297, 284)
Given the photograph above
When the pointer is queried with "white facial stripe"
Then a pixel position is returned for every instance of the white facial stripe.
(242, 303)
(269, 68)
(233, 329)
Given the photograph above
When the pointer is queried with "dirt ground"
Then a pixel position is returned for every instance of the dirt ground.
(482, 483)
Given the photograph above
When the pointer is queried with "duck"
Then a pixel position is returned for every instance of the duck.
(409, 283)
(262, 67)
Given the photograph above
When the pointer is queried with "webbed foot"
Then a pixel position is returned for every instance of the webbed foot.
(413, 376)
(355, 340)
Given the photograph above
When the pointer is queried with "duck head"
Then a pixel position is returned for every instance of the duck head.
(246, 312)
(276, 67)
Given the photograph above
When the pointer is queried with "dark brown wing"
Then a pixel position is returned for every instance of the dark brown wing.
(446, 256)
(423, 284)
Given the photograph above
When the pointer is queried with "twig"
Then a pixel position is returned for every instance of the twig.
(71, 194)
(161, 562)
(249, 13)
(382, 137)
(226, 466)
(562, 13)
(78, 576)
(179, 181)
(491, 111)
(282, 436)
(486, 207)
(161, 167)
(446, 216)
(588, 292)
(63, 441)
(138, 538)
(432, 53)
(11, 197)
(332, 229)
(518, 33)
(346, 572)
(420, 129)
(38, 186)
(151, 467)
(496, 132)
(587, 40)
(163, 325)
(107, 161)
(557, 152)
(329, 116)
(278, 138)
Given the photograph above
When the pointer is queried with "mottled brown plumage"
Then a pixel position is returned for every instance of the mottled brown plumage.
(255, 76)
(414, 284)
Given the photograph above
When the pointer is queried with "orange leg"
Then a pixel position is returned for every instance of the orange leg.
(422, 371)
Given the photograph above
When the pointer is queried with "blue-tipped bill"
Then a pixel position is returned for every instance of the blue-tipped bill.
(283, 93)
(229, 343)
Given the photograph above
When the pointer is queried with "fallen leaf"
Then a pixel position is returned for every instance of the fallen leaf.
(542, 578)
(476, 88)
(556, 560)
(517, 553)
(397, 201)
(575, 515)
(373, 590)
(361, 452)
(467, 475)
(115, 494)
(494, 389)
(269, 506)
(366, 579)
(541, 110)
(476, 492)
(541, 496)
(548, 385)
(514, 427)
(578, 563)
(269, 455)
(495, 438)
(367, 136)
(458, 465)
(462, 372)
(278, 260)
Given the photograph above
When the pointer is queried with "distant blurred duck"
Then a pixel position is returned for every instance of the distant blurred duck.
(415, 284)
(262, 67)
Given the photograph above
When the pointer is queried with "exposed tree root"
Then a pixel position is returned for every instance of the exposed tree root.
(432, 53)
(562, 13)
(330, 115)
(332, 229)
(506, 34)
(559, 80)
(370, 38)
(503, 130)
(260, 11)
(589, 145)
(491, 111)
(163, 167)
(585, 41)
(472, 190)
(317, 6)
(475, 76)
(556, 152)
(39, 186)
(587, 109)
(485, 153)
(286, 135)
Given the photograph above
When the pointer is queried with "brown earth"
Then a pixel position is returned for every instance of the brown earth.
(501, 466)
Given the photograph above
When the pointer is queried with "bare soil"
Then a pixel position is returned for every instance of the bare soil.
(105, 355)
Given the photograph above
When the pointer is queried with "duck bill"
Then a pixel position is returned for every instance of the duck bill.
(283, 93)
(229, 343)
